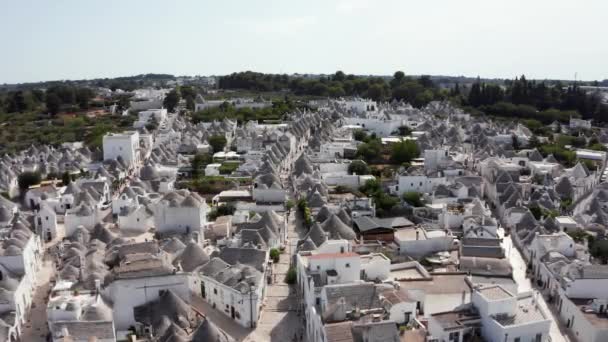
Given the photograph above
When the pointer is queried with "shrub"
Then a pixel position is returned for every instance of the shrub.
(289, 204)
(413, 198)
(275, 255)
(358, 167)
(291, 277)
(222, 210)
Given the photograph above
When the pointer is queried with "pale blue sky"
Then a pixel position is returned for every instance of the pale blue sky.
(75, 39)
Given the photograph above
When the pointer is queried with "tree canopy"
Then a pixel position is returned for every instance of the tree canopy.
(171, 100)
(217, 142)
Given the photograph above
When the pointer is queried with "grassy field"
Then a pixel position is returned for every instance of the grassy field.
(20, 130)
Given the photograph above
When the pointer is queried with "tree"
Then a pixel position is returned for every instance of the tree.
(404, 131)
(27, 179)
(222, 210)
(83, 96)
(189, 94)
(358, 167)
(339, 76)
(198, 163)
(359, 135)
(217, 142)
(533, 142)
(599, 250)
(536, 211)
(370, 151)
(66, 179)
(53, 103)
(412, 198)
(376, 92)
(171, 100)
(404, 151)
(19, 101)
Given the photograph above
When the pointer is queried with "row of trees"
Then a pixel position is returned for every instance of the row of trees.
(53, 99)
(531, 99)
(417, 91)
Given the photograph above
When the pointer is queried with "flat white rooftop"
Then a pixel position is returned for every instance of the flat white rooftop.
(567, 220)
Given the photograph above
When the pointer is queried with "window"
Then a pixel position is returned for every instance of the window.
(47, 218)
(347, 265)
(538, 338)
(454, 336)
(214, 291)
(318, 301)
(517, 339)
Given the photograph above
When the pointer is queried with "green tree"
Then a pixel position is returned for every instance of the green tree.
(19, 101)
(404, 131)
(358, 167)
(376, 92)
(198, 164)
(221, 210)
(53, 103)
(404, 151)
(413, 198)
(171, 100)
(217, 142)
(598, 147)
(533, 142)
(359, 135)
(370, 151)
(339, 76)
(599, 250)
(27, 179)
(66, 179)
(83, 97)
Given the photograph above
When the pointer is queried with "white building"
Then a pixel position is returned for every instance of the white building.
(46, 222)
(235, 283)
(181, 212)
(20, 261)
(510, 318)
(421, 242)
(146, 116)
(579, 123)
(83, 215)
(124, 145)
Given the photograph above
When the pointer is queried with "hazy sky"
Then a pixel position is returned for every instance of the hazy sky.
(60, 39)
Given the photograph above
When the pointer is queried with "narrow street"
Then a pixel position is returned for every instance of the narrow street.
(524, 284)
(36, 329)
(280, 320)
